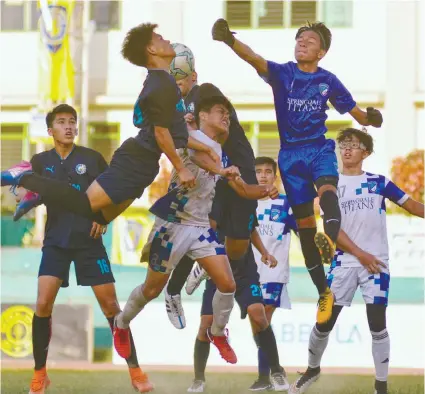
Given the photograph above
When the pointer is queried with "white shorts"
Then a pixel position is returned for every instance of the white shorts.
(169, 242)
(344, 281)
(276, 294)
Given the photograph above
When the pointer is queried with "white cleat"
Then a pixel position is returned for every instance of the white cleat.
(198, 386)
(195, 278)
(302, 384)
(279, 381)
(175, 312)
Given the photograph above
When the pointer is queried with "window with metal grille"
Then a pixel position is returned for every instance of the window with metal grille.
(106, 14)
(104, 138)
(238, 13)
(270, 13)
(19, 15)
(268, 140)
(303, 11)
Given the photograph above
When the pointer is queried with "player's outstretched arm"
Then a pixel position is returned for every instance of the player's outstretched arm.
(221, 32)
(414, 207)
(198, 146)
(166, 144)
(253, 192)
(370, 262)
(370, 117)
(266, 257)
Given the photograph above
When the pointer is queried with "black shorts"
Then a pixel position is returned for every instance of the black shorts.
(132, 169)
(236, 216)
(92, 266)
(248, 290)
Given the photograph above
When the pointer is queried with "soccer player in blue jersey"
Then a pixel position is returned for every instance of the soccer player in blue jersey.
(158, 114)
(362, 257)
(307, 160)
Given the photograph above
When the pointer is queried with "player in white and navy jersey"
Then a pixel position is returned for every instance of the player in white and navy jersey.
(182, 228)
(275, 222)
(362, 255)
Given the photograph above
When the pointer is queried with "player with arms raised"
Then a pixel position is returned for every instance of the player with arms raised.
(362, 255)
(307, 160)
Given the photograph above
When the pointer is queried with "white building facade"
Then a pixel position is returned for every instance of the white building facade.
(378, 52)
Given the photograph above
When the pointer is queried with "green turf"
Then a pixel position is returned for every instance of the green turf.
(106, 382)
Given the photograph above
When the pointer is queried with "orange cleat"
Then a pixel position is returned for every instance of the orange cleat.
(140, 380)
(122, 340)
(222, 344)
(40, 381)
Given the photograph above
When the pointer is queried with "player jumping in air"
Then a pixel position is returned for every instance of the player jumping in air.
(69, 237)
(158, 113)
(307, 160)
(361, 258)
(182, 228)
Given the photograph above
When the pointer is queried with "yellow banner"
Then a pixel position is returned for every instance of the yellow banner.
(56, 80)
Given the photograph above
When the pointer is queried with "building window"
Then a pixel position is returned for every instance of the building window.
(104, 138)
(19, 15)
(266, 14)
(106, 14)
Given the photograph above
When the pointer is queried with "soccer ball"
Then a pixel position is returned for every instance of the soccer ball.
(184, 62)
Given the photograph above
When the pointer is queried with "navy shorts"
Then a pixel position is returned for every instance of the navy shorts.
(132, 169)
(92, 266)
(248, 289)
(302, 165)
(236, 216)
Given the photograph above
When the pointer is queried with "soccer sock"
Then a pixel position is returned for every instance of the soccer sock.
(381, 353)
(132, 361)
(61, 195)
(41, 334)
(222, 305)
(331, 214)
(316, 347)
(263, 363)
(267, 342)
(135, 303)
(312, 258)
(201, 354)
(179, 276)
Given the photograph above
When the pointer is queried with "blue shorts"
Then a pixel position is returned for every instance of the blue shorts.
(236, 216)
(92, 266)
(248, 289)
(132, 169)
(302, 165)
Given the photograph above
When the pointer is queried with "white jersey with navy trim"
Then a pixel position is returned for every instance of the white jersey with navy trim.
(275, 222)
(189, 206)
(363, 214)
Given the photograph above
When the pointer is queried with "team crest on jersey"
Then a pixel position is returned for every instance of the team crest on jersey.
(277, 213)
(80, 169)
(323, 89)
(372, 186)
(191, 107)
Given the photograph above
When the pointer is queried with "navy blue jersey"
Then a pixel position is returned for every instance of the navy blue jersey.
(79, 169)
(160, 104)
(237, 150)
(301, 98)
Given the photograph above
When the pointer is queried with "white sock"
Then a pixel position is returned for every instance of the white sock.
(222, 305)
(381, 354)
(316, 347)
(135, 303)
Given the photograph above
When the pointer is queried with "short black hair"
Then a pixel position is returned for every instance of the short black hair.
(321, 30)
(135, 43)
(266, 160)
(205, 105)
(60, 109)
(365, 138)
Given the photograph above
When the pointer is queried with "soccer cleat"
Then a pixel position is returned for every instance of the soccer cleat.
(28, 202)
(198, 386)
(195, 278)
(325, 305)
(279, 381)
(175, 312)
(140, 380)
(305, 381)
(326, 248)
(122, 340)
(221, 342)
(12, 175)
(40, 381)
(261, 385)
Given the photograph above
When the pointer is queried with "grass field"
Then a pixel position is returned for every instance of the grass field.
(117, 382)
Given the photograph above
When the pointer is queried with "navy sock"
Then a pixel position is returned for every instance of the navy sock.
(41, 333)
(331, 214)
